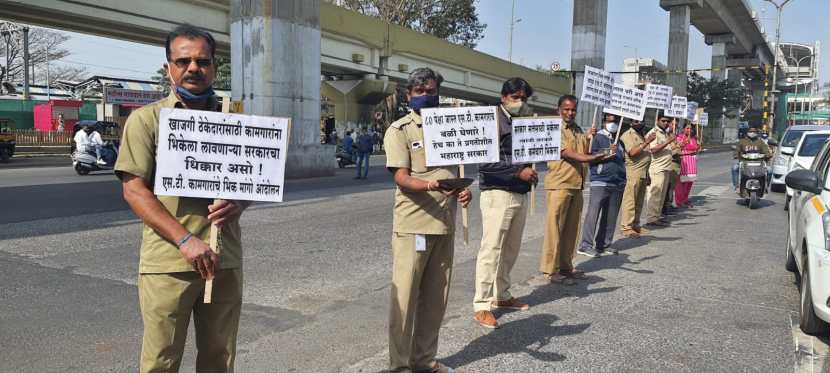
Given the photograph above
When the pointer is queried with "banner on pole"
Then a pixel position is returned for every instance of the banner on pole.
(597, 86)
(691, 111)
(658, 96)
(678, 107)
(536, 139)
(628, 102)
(460, 135)
(704, 119)
(205, 154)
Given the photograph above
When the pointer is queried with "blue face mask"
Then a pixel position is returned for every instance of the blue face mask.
(419, 102)
(189, 96)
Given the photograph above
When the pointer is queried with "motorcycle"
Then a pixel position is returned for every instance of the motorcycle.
(85, 162)
(753, 178)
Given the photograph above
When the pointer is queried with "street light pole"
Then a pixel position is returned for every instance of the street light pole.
(797, 78)
(637, 61)
(513, 22)
(775, 57)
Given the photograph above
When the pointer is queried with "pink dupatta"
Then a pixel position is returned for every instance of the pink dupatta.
(688, 158)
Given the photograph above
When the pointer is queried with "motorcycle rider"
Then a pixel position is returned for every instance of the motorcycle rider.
(82, 139)
(752, 143)
(97, 143)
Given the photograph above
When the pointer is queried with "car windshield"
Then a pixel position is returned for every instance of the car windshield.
(812, 144)
(791, 139)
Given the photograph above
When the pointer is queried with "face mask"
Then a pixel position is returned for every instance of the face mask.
(612, 127)
(516, 109)
(190, 96)
(420, 102)
(752, 135)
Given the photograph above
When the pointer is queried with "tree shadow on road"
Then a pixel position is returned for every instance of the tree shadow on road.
(620, 261)
(529, 335)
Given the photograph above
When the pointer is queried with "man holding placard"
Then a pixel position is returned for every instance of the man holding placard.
(637, 161)
(504, 187)
(564, 182)
(659, 171)
(175, 259)
(423, 234)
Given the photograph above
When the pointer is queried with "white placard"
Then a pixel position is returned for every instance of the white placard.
(597, 86)
(678, 107)
(704, 119)
(658, 96)
(628, 102)
(536, 139)
(460, 135)
(132, 96)
(207, 154)
(691, 111)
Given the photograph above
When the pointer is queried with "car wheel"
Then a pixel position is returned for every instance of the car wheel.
(790, 265)
(808, 321)
(778, 188)
(4, 155)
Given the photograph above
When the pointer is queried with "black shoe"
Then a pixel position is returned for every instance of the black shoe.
(589, 252)
(612, 251)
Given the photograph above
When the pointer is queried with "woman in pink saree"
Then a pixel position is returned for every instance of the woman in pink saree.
(688, 166)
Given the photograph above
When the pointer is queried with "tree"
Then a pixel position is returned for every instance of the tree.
(714, 94)
(453, 20)
(41, 42)
(222, 81)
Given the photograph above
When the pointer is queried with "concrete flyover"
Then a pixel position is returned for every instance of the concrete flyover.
(739, 52)
(371, 55)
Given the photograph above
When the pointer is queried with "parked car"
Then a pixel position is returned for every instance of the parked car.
(808, 241)
(781, 164)
(808, 147)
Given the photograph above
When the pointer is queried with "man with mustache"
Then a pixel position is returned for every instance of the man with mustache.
(659, 170)
(637, 160)
(175, 260)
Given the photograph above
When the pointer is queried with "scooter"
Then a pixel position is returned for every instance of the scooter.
(753, 178)
(85, 162)
(343, 159)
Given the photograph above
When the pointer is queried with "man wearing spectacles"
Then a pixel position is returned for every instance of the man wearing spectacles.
(659, 171)
(637, 161)
(175, 260)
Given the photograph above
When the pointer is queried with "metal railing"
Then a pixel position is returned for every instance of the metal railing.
(37, 138)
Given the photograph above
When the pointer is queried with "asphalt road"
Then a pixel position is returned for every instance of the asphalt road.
(708, 294)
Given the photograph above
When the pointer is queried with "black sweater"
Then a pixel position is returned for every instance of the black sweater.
(504, 174)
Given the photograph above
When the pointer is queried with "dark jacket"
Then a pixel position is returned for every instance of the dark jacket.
(612, 171)
(503, 175)
(364, 143)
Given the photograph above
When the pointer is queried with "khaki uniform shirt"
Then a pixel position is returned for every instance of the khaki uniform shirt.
(417, 212)
(662, 160)
(137, 156)
(565, 173)
(635, 166)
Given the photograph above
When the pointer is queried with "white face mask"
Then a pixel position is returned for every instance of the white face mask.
(612, 127)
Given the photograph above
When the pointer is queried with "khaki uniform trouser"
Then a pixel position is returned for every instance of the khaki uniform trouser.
(420, 287)
(561, 230)
(503, 216)
(633, 199)
(656, 195)
(167, 301)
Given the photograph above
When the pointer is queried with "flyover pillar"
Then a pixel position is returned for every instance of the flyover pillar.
(275, 46)
(722, 124)
(678, 59)
(588, 47)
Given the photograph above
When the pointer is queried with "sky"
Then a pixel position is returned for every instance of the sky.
(542, 37)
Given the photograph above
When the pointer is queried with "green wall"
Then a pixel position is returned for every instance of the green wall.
(19, 113)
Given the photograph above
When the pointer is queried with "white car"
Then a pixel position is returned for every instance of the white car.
(802, 158)
(781, 163)
(808, 241)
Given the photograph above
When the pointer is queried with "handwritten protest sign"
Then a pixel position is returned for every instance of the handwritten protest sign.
(219, 155)
(691, 111)
(704, 119)
(658, 96)
(678, 107)
(460, 135)
(628, 102)
(597, 86)
(536, 139)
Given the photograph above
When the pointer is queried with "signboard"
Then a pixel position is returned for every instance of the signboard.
(658, 96)
(628, 102)
(536, 139)
(678, 107)
(214, 155)
(704, 119)
(597, 86)
(691, 111)
(122, 96)
(460, 135)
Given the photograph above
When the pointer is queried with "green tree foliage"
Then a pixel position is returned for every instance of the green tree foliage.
(453, 20)
(714, 95)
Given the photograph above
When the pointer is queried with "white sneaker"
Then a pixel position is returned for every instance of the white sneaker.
(101, 162)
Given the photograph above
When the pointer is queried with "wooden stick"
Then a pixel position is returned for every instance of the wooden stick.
(464, 214)
(533, 194)
(593, 126)
(617, 136)
(214, 230)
